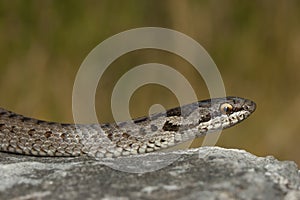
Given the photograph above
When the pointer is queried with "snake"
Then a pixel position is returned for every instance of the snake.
(29, 136)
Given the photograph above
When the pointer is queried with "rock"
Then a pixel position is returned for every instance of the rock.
(204, 173)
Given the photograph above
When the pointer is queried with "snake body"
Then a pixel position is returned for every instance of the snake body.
(24, 135)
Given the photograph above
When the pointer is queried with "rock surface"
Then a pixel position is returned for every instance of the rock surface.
(204, 173)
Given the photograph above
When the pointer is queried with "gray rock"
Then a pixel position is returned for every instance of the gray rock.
(204, 173)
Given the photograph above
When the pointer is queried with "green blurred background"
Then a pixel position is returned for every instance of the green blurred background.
(255, 44)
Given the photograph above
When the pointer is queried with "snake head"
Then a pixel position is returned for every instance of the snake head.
(231, 105)
(220, 113)
(209, 115)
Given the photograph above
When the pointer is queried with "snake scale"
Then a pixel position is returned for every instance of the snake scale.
(24, 135)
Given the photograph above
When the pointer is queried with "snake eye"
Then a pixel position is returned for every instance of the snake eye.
(226, 108)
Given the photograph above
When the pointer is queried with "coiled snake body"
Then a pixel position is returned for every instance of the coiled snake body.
(23, 135)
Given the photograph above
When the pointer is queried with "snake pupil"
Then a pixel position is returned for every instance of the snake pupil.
(226, 108)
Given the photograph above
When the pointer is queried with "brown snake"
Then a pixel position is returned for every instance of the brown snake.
(24, 135)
